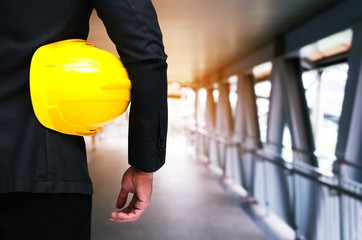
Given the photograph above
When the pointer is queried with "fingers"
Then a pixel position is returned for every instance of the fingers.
(131, 213)
(137, 182)
(126, 215)
(122, 198)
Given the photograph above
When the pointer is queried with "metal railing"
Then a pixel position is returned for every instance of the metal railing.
(316, 205)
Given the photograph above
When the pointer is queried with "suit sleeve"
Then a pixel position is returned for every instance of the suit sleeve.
(133, 27)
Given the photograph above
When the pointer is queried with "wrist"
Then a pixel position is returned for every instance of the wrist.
(142, 173)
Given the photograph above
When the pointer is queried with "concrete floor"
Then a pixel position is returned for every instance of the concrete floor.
(187, 202)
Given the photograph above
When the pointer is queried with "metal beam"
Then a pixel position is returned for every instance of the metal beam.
(341, 16)
(353, 150)
(210, 110)
(224, 120)
(279, 198)
(335, 19)
(349, 141)
(297, 110)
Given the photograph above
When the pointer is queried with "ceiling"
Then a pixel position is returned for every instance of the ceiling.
(202, 36)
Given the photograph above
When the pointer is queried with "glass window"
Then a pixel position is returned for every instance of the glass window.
(329, 46)
(287, 151)
(262, 94)
(233, 95)
(215, 94)
(324, 94)
(201, 107)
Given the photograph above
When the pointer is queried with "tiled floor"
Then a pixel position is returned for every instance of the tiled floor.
(187, 202)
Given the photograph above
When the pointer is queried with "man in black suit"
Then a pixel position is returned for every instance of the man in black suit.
(45, 189)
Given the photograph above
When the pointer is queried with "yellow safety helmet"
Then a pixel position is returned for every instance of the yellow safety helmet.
(77, 88)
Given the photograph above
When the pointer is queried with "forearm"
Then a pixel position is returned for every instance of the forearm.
(134, 29)
(148, 118)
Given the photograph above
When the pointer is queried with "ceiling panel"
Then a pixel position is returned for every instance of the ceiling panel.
(202, 36)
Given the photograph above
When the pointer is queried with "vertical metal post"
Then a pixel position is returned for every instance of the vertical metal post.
(353, 145)
(298, 114)
(249, 130)
(240, 128)
(350, 127)
(224, 123)
(224, 120)
(210, 122)
(196, 106)
(196, 123)
(281, 203)
(354, 71)
(210, 110)
(240, 111)
(252, 121)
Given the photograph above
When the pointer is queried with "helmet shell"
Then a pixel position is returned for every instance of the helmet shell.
(77, 88)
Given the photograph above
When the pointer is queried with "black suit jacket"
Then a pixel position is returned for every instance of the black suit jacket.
(36, 159)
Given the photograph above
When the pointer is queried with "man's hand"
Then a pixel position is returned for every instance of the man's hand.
(140, 184)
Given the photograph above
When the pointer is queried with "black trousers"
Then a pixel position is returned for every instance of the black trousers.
(45, 216)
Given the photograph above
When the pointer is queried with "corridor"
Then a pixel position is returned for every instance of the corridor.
(188, 202)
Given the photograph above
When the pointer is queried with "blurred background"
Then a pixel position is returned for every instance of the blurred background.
(264, 134)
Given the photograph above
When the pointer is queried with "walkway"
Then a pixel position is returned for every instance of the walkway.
(187, 202)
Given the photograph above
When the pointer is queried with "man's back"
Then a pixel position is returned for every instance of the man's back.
(32, 158)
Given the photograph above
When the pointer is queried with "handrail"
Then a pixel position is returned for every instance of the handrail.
(333, 182)
(339, 160)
